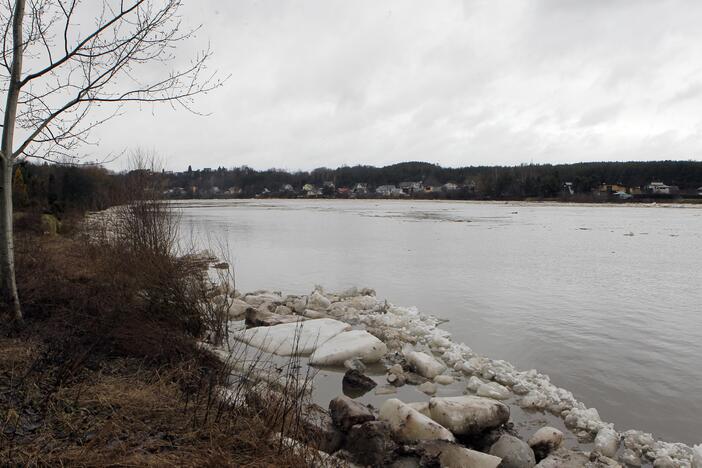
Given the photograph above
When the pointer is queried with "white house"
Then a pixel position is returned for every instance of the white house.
(449, 187)
(388, 190)
(661, 188)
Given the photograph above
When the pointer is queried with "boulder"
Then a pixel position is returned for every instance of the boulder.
(544, 441)
(351, 344)
(320, 431)
(424, 365)
(237, 309)
(427, 387)
(283, 310)
(607, 442)
(355, 383)
(317, 301)
(409, 424)
(514, 452)
(565, 458)
(443, 379)
(289, 338)
(451, 455)
(493, 390)
(371, 443)
(346, 412)
(466, 415)
(258, 299)
(262, 318)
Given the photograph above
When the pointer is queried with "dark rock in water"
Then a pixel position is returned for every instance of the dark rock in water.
(321, 431)
(514, 452)
(346, 412)
(356, 384)
(371, 443)
(414, 379)
(544, 441)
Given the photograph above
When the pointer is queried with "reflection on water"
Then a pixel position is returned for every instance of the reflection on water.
(604, 299)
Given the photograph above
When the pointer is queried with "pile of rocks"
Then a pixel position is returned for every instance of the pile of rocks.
(354, 328)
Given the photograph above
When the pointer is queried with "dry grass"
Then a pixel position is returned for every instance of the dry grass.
(108, 372)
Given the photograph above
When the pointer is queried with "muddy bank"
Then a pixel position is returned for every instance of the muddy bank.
(420, 385)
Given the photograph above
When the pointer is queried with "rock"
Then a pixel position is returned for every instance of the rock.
(630, 457)
(261, 318)
(317, 301)
(320, 430)
(362, 302)
(346, 412)
(351, 344)
(428, 387)
(515, 453)
(411, 425)
(283, 310)
(424, 365)
(467, 415)
(493, 390)
(607, 442)
(664, 462)
(564, 458)
(237, 309)
(355, 364)
(258, 299)
(443, 379)
(299, 305)
(386, 390)
(544, 441)
(289, 338)
(414, 379)
(356, 383)
(451, 455)
(474, 383)
(371, 443)
(314, 314)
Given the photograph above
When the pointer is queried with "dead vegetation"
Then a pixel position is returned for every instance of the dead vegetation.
(108, 370)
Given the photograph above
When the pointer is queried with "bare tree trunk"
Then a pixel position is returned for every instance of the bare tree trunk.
(7, 251)
(8, 284)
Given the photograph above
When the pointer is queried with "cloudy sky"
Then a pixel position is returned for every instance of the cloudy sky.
(333, 82)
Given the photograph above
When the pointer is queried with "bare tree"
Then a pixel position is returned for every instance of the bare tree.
(62, 59)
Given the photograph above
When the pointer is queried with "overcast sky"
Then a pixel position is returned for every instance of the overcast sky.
(327, 83)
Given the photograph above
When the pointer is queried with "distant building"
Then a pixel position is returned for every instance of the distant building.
(608, 189)
(659, 188)
(343, 191)
(449, 187)
(431, 189)
(568, 188)
(411, 187)
(360, 188)
(388, 191)
(233, 191)
(287, 188)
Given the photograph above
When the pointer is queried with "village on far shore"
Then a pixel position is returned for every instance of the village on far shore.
(420, 189)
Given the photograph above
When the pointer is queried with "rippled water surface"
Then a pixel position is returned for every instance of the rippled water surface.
(607, 300)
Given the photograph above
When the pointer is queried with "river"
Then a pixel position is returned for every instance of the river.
(606, 299)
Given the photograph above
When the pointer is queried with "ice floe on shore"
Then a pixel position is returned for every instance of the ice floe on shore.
(339, 327)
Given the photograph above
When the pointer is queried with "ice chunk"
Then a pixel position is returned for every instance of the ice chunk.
(607, 442)
(288, 338)
(351, 344)
(468, 414)
(493, 390)
(411, 425)
(424, 365)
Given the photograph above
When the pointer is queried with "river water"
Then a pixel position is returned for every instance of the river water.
(605, 299)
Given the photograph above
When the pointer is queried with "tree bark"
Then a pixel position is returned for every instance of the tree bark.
(8, 284)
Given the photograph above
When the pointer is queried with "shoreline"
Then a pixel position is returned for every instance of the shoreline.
(405, 331)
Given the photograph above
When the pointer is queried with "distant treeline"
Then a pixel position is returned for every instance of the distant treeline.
(58, 188)
(500, 182)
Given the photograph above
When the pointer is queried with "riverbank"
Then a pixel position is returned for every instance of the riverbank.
(107, 368)
(418, 370)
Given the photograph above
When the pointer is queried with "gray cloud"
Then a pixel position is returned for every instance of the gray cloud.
(325, 83)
